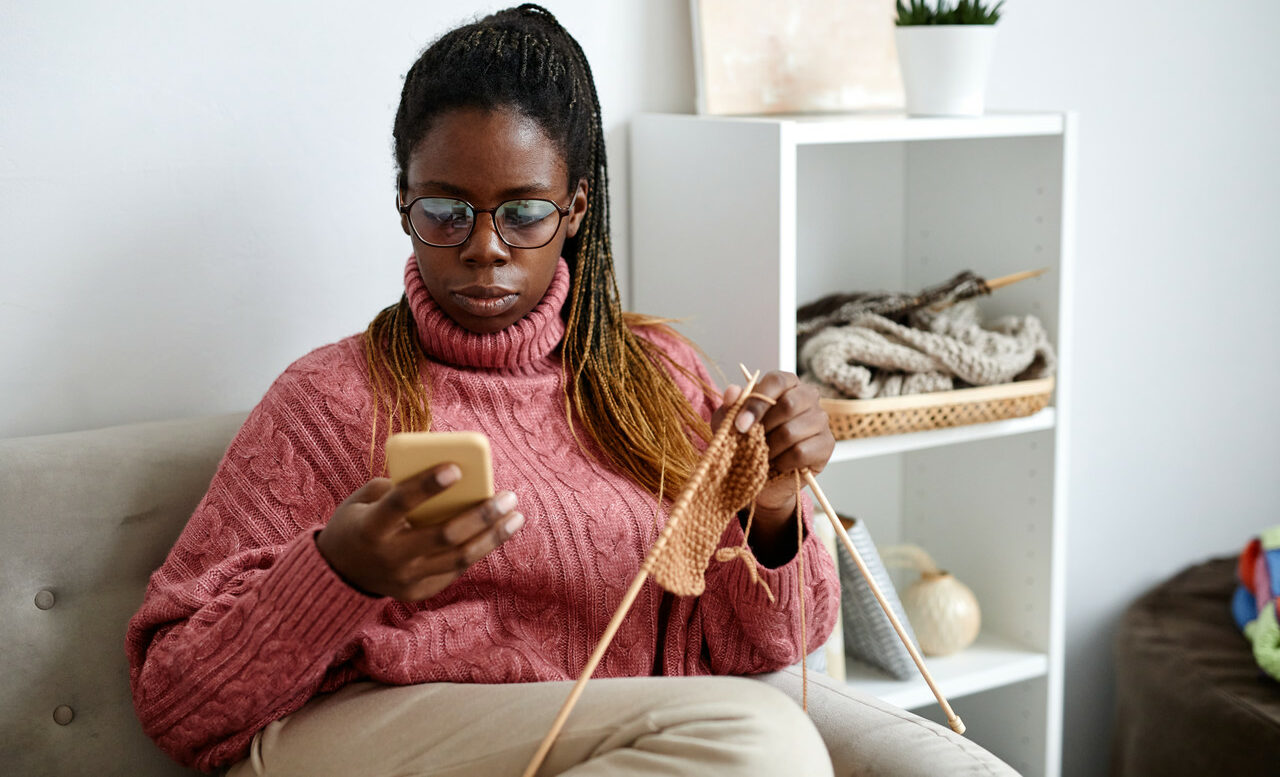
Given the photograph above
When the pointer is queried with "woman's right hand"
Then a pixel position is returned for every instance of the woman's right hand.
(371, 544)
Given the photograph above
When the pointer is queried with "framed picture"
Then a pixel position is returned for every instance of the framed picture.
(795, 56)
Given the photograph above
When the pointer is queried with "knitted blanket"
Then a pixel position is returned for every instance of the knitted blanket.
(1254, 604)
(873, 356)
(836, 309)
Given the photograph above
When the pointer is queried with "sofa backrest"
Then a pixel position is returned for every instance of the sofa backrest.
(85, 518)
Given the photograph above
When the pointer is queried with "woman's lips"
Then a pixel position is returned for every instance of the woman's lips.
(485, 301)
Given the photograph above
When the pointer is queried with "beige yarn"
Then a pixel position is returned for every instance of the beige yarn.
(732, 471)
(875, 357)
(743, 552)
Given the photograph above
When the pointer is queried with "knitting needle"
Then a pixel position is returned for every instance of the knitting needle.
(997, 283)
(1008, 280)
(957, 725)
(624, 607)
(587, 671)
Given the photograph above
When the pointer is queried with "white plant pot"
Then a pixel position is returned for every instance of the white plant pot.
(945, 67)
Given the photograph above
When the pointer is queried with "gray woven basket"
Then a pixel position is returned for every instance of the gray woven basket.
(868, 634)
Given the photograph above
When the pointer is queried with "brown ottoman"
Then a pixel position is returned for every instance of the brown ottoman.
(1190, 698)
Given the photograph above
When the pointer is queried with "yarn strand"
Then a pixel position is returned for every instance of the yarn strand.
(953, 720)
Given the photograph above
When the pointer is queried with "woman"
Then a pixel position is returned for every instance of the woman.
(301, 626)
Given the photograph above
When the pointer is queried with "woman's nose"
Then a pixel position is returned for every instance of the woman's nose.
(484, 246)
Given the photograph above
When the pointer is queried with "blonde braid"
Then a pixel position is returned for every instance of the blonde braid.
(393, 353)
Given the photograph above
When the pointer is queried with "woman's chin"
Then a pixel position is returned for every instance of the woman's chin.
(484, 325)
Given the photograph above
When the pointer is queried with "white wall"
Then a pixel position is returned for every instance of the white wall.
(193, 195)
(1176, 432)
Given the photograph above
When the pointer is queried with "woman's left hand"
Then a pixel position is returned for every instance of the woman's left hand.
(799, 437)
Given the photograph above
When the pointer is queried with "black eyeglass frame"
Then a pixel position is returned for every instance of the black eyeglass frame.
(561, 212)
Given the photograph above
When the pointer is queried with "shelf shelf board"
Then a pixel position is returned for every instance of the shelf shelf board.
(868, 447)
(812, 130)
(990, 662)
(815, 129)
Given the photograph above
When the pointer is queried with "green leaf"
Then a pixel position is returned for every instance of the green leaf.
(919, 12)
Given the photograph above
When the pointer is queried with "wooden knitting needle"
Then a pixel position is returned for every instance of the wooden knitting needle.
(1000, 283)
(1009, 280)
(587, 671)
(624, 607)
(953, 720)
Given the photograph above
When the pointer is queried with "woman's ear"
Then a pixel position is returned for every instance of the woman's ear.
(404, 217)
(577, 208)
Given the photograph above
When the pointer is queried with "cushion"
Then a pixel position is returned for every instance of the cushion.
(1190, 698)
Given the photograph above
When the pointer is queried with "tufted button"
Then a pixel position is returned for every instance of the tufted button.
(63, 715)
(45, 599)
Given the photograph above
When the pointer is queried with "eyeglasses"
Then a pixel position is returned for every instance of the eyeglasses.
(445, 222)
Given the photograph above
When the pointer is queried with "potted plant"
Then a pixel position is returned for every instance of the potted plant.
(944, 51)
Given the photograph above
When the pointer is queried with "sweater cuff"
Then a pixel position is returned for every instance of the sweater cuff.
(310, 603)
(736, 576)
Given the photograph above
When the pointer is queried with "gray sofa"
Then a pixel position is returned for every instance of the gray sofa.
(86, 517)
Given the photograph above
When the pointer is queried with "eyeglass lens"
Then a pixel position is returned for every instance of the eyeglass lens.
(443, 221)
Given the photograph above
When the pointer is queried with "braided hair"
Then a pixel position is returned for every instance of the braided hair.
(616, 388)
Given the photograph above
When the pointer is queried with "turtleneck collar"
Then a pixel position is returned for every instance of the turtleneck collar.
(522, 345)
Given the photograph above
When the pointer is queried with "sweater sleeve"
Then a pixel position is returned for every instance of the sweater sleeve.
(240, 624)
(733, 626)
(745, 633)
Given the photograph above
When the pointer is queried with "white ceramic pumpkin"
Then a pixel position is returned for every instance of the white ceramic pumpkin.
(943, 612)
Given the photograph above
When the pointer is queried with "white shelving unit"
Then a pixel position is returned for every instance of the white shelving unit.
(737, 221)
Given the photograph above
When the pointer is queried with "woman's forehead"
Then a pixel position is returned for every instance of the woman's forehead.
(476, 152)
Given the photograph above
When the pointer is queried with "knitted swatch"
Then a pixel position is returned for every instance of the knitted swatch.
(732, 471)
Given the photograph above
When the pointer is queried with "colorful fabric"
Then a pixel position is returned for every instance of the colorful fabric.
(1254, 604)
(246, 622)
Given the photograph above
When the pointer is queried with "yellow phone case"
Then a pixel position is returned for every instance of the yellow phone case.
(409, 453)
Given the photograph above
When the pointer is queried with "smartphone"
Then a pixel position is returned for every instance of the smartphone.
(409, 453)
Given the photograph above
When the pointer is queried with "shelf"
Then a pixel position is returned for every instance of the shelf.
(990, 662)
(824, 202)
(868, 447)
(814, 129)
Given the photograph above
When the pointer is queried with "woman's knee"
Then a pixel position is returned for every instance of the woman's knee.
(748, 728)
(793, 743)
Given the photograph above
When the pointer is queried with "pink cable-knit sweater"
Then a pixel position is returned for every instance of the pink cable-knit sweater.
(245, 621)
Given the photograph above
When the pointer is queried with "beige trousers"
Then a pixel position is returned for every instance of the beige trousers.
(629, 726)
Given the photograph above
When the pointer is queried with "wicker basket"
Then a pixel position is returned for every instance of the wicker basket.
(852, 418)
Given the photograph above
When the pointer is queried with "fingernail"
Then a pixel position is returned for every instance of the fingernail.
(506, 501)
(513, 525)
(448, 475)
(745, 419)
